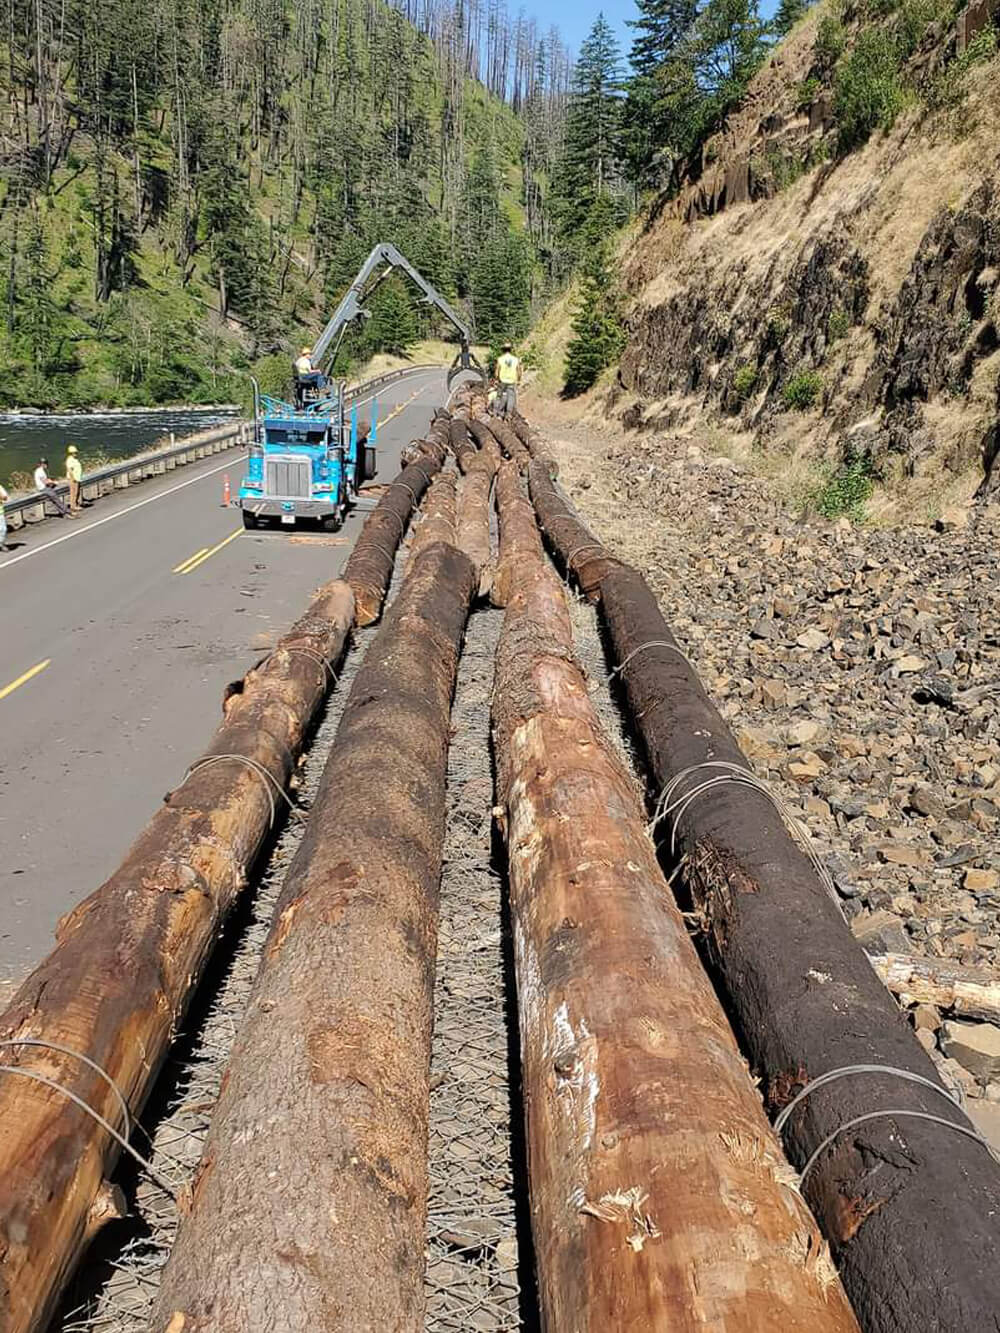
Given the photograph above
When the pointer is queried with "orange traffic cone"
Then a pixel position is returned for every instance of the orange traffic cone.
(225, 490)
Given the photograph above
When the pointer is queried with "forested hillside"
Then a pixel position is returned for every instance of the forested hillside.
(188, 185)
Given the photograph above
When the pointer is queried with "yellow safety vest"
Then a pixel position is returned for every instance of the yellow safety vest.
(507, 368)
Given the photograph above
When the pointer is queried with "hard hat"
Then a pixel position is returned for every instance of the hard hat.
(71, 449)
(305, 351)
(507, 347)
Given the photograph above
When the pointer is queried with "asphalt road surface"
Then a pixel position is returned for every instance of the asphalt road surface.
(121, 631)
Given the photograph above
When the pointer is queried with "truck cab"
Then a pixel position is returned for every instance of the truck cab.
(306, 463)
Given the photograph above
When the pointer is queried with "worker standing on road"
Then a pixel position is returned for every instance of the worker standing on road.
(509, 374)
(74, 474)
(47, 487)
(4, 497)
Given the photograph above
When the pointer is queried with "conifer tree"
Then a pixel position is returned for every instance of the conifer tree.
(787, 15)
(598, 336)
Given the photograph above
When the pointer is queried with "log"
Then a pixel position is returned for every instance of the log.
(473, 512)
(959, 990)
(127, 960)
(519, 540)
(533, 442)
(437, 516)
(487, 443)
(369, 566)
(659, 1195)
(908, 1206)
(461, 445)
(309, 1209)
(509, 443)
(575, 547)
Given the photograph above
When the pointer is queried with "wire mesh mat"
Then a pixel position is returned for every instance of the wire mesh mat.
(473, 1252)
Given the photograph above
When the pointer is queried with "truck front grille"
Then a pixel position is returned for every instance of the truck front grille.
(288, 476)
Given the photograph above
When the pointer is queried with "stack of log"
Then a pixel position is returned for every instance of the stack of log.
(908, 1205)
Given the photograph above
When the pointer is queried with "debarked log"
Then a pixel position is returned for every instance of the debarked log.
(369, 566)
(129, 957)
(519, 539)
(660, 1198)
(908, 1205)
(965, 991)
(310, 1204)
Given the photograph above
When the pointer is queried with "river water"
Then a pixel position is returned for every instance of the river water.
(100, 437)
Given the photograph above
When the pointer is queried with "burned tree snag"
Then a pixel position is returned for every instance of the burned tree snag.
(128, 959)
(310, 1206)
(909, 1207)
(659, 1195)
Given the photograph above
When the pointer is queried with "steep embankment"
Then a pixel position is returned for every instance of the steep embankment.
(831, 295)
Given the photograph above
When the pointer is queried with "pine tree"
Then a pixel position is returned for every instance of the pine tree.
(661, 30)
(591, 163)
(598, 336)
(787, 15)
(661, 27)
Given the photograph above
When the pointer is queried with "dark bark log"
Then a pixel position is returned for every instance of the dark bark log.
(574, 545)
(461, 444)
(129, 957)
(310, 1205)
(436, 516)
(369, 566)
(509, 443)
(910, 1208)
(487, 442)
(660, 1198)
(519, 537)
(533, 442)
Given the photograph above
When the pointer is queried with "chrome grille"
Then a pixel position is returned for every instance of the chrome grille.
(288, 475)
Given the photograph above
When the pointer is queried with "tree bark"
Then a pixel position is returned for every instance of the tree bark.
(575, 547)
(960, 990)
(310, 1205)
(437, 516)
(369, 566)
(509, 443)
(660, 1198)
(532, 441)
(519, 539)
(461, 445)
(909, 1207)
(473, 512)
(129, 957)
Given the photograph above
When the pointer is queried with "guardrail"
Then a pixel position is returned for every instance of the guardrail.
(118, 476)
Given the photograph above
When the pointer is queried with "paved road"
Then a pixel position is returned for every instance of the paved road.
(132, 637)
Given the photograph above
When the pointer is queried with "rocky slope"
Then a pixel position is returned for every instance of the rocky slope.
(871, 275)
(859, 668)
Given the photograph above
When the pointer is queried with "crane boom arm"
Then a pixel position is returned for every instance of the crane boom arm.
(351, 307)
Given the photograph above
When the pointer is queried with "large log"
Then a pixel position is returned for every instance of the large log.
(310, 1204)
(909, 1207)
(473, 511)
(461, 443)
(129, 957)
(437, 516)
(370, 564)
(576, 548)
(659, 1195)
(509, 443)
(532, 441)
(519, 540)
(960, 990)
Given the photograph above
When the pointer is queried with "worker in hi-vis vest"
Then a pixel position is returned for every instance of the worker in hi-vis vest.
(508, 372)
(305, 375)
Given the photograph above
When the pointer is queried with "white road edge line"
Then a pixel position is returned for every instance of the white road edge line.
(161, 495)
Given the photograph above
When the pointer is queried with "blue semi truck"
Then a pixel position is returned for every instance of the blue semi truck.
(307, 460)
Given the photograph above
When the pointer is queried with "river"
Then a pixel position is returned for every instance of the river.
(100, 437)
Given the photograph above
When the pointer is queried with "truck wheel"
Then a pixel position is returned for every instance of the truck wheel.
(330, 523)
(249, 520)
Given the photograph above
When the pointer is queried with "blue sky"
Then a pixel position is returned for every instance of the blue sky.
(574, 20)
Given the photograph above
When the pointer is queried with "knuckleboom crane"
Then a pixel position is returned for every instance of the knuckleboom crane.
(306, 461)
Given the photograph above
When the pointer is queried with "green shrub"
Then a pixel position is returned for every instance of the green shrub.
(915, 17)
(805, 93)
(838, 323)
(802, 390)
(829, 45)
(846, 490)
(785, 169)
(947, 91)
(744, 382)
(868, 94)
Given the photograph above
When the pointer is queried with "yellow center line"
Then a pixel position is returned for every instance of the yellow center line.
(9, 689)
(402, 407)
(179, 569)
(200, 559)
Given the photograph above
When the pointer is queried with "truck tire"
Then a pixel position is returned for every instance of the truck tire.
(250, 520)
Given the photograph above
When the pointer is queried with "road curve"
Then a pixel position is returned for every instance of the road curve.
(121, 634)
